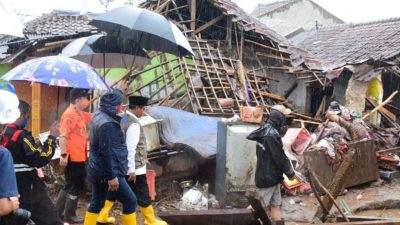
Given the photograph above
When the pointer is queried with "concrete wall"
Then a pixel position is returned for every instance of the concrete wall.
(301, 14)
(299, 97)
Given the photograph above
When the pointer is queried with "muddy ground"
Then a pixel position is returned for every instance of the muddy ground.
(380, 198)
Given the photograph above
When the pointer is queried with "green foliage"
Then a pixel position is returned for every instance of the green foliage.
(128, 2)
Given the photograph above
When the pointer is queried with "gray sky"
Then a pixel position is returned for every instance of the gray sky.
(347, 10)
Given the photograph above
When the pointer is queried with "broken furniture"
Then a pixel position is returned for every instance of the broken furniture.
(364, 168)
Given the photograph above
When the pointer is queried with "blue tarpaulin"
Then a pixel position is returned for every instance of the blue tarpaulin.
(199, 132)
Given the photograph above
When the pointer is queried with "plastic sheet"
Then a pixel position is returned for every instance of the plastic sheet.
(178, 126)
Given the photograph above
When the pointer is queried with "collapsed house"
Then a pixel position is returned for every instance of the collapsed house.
(238, 61)
(360, 60)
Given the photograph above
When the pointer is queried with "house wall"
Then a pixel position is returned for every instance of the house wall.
(355, 95)
(48, 101)
(301, 14)
(299, 97)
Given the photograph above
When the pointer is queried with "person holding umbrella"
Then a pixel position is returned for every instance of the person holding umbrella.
(73, 145)
(108, 160)
(27, 157)
(137, 160)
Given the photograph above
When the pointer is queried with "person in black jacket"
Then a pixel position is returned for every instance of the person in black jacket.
(272, 162)
(108, 160)
(28, 156)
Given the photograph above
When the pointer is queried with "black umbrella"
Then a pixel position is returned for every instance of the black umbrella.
(150, 30)
(103, 51)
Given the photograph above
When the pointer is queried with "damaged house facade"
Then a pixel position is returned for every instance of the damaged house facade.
(238, 60)
(361, 60)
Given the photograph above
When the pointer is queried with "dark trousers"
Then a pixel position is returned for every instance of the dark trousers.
(124, 194)
(141, 190)
(35, 198)
(75, 174)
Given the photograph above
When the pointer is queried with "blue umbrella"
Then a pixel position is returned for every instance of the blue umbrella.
(58, 71)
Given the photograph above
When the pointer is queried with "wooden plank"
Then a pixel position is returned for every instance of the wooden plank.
(210, 217)
(271, 95)
(216, 71)
(172, 93)
(162, 6)
(365, 167)
(193, 15)
(229, 31)
(241, 46)
(381, 105)
(337, 185)
(356, 218)
(382, 110)
(223, 64)
(174, 9)
(208, 24)
(261, 45)
(259, 207)
(36, 108)
(258, 88)
(328, 194)
(382, 222)
(188, 75)
(251, 90)
(208, 75)
(205, 94)
(186, 79)
(273, 57)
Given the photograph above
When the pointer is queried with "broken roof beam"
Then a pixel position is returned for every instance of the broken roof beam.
(193, 8)
(262, 46)
(160, 8)
(208, 24)
(281, 58)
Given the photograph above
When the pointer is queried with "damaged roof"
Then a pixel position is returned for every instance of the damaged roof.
(249, 22)
(59, 23)
(352, 43)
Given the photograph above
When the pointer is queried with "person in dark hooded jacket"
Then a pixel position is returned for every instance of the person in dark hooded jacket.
(108, 160)
(272, 162)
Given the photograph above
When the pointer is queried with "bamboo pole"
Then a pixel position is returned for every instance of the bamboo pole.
(330, 196)
(337, 184)
(380, 106)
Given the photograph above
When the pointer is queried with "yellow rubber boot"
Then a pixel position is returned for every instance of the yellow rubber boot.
(129, 219)
(90, 218)
(149, 217)
(103, 216)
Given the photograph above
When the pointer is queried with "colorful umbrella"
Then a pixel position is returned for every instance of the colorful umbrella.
(58, 71)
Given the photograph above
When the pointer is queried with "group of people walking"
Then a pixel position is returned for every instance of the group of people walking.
(116, 166)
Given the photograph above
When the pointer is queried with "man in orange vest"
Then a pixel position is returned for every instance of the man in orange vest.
(73, 145)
